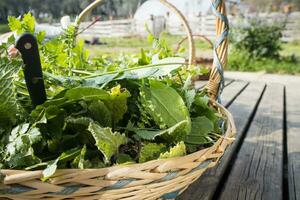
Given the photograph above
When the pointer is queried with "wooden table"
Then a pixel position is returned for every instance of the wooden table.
(264, 161)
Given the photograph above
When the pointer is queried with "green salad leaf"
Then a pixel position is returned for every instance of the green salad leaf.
(151, 151)
(157, 68)
(86, 94)
(151, 135)
(124, 159)
(165, 106)
(8, 100)
(117, 103)
(201, 127)
(27, 24)
(52, 165)
(176, 151)
(101, 110)
(106, 141)
(102, 114)
(19, 151)
(80, 162)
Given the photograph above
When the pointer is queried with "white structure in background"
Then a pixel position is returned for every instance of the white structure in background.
(50, 30)
(54, 30)
(158, 17)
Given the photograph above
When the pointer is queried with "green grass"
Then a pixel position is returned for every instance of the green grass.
(115, 46)
(266, 65)
(291, 48)
(4, 28)
(287, 63)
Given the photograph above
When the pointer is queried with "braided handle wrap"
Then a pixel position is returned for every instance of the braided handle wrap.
(215, 84)
(188, 30)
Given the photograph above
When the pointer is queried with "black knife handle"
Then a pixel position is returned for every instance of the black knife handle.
(28, 47)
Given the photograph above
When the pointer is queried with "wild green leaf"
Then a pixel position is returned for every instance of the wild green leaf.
(167, 68)
(201, 127)
(74, 95)
(79, 121)
(117, 103)
(50, 169)
(151, 151)
(176, 151)
(8, 101)
(95, 163)
(151, 135)
(99, 80)
(106, 141)
(124, 159)
(76, 126)
(19, 151)
(157, 69)
(201, 101)
(189, 95)
(14, 23)
(52, 165)
(165, 106)
(27, 24)
(201, 107)
(40, 36)
(100, 113)
(80, 162)
(86, 93)
(144, 59)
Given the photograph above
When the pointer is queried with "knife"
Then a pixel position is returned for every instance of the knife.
(28, 47)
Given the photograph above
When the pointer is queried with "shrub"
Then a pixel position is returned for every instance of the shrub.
(4, 28)
(257, 47)
(260, 40)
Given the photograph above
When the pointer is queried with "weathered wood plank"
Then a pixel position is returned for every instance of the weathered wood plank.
(257, 171)
(293, 140)
(242, 108)
(231, 91)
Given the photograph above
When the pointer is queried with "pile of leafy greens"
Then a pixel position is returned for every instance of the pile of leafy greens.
(105, 111)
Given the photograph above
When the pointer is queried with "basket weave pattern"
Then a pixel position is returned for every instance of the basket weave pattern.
(157, 179)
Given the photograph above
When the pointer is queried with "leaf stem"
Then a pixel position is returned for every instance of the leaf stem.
(82, 72)
(180, 78)
(135, 68)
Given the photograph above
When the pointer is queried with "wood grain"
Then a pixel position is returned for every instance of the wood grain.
(257, 171)
(232, 91)
(293, 140)
(241, 109)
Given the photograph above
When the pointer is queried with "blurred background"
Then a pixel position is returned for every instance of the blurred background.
(265, 35)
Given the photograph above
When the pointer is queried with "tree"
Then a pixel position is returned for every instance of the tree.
(58, 8)
(263, 5)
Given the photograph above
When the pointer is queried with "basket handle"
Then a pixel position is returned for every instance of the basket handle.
(203, 37)
(215, 84)
(192, 53)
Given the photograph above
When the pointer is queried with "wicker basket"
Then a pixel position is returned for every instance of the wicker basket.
(157, 179)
